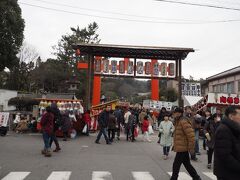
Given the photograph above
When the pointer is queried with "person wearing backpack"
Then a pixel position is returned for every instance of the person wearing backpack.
(47, 130)
(57, 122)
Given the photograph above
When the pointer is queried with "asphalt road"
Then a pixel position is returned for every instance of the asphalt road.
(82, 159)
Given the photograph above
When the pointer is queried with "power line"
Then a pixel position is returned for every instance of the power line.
(202, 5)
(110, 12)
(129, 20)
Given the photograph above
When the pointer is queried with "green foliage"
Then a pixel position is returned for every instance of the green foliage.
(169, 94)
(64, 50)
(18, 78)
(127, 88)
(50, 76)
(66, 53)
(11, 33)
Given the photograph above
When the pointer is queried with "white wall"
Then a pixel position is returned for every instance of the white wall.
(5, 95)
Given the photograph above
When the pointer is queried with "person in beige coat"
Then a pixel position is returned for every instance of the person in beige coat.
(183, 143)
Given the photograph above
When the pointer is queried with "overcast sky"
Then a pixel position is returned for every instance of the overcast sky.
(146, 23)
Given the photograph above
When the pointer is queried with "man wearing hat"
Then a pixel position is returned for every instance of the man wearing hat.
(183, 144)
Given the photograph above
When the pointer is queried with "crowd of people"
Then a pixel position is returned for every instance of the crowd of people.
(180, 130)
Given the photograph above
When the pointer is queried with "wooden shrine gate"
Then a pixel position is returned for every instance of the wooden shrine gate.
(130, 61)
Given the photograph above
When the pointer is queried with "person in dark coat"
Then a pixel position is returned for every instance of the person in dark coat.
(132, 122)
(47, 130)
(111, 126)
(120, 118)
(227, 146)
(206, 118)
(56, 124)
(66, 125)
(103, 122)
(209, 132)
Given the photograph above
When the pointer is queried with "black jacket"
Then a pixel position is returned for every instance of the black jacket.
(227, 151)
(103, 119)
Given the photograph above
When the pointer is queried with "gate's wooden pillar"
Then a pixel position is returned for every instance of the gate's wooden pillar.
(96, 87)
(154, 85)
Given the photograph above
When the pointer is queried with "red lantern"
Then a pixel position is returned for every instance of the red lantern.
(78, 52)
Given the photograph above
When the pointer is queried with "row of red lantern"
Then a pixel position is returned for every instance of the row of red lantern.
(155, 68)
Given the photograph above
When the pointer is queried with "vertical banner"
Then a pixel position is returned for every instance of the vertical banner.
(4, 116)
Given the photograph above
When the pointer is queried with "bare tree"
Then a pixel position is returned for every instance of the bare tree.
(27, 54)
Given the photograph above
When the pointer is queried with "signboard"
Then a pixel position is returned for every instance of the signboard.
(151, 104)
(144, 68)
(222, 98)
(4, 116)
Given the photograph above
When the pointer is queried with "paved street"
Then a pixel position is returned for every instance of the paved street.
(82, 159)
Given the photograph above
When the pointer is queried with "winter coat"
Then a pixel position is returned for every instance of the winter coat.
(57, 117)
(112, 121)
(119, 115)
(47, 123)
(145, 125)
(210, 127)
(227, 150)
(87, 119)
(103, 119)
(66, 123)
(132, 121)
(166, 129)
(183, 138)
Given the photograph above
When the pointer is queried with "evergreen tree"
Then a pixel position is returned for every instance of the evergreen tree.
(11, 33)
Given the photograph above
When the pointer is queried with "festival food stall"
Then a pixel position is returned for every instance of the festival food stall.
(96, 110)
(216, 101)
(64, 105)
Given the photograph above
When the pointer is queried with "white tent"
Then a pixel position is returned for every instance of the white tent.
(191, 100)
